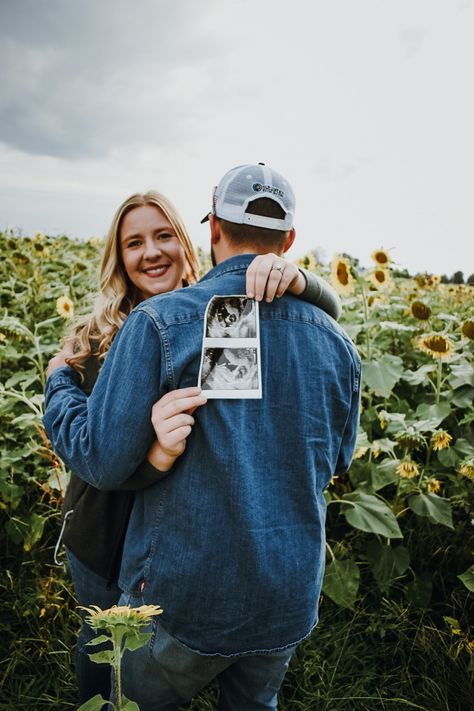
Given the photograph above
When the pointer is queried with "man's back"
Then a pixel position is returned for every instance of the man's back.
(231, 543)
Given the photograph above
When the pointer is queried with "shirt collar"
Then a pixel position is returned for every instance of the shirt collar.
(239, 263)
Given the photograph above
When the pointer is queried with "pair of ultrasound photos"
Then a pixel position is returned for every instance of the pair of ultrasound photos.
(230, 360)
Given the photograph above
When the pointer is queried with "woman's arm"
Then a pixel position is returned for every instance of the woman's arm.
(270, 276)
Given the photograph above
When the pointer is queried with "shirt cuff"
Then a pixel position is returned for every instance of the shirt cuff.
(64, 375)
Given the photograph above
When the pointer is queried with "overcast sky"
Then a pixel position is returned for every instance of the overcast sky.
(366, 106)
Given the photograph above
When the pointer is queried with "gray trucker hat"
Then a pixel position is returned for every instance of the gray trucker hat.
(241, 185)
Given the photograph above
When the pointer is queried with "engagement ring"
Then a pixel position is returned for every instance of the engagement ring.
(280, 268)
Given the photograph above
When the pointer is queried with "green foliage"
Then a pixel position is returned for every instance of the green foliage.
(398, 536)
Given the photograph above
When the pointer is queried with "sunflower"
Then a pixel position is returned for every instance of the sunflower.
(440, 440)
(65, 307)
(117, 616)
(410, 439)
(436, 345)
(407, 469)
(341, 276)
(380, 278)
(420, 280)
(381, 257)
(372, 300)
(467, 468)
(420, 310)
(434, 485)
(467, 329)
(433, 280)
(308, 262)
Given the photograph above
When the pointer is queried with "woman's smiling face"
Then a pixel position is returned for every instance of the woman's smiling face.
(152, 254)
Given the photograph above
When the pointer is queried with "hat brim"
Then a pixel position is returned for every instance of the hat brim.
(205, 219)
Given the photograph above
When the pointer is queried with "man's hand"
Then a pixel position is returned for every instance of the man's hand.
(269, 276)
(172, 420)
(59, 359)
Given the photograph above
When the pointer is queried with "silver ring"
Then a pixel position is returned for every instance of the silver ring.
(280, 268)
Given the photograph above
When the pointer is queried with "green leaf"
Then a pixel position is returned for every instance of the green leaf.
(433, 507)
(102, 657)
(464, 448)
(137, 641)
(370, 514)
(416, 377)
(430, 416)
(419, 592)
(468, 578)
(25, 376)
(34, 531)
(341, 582)
(463, 397)
(383, 374)
(98, 640)
(448, 457)
(462, 374)
(95, 704)
(384, 473)
(128, 705)
(387, 563)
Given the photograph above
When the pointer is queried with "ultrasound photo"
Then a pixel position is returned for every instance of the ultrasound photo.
(230, 369)
(231, 317)
(230, 360)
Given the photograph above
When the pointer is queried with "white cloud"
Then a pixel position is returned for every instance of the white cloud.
(367, 107)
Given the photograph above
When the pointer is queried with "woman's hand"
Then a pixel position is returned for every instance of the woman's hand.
(172, 419)
(67, 351)
(269, 276)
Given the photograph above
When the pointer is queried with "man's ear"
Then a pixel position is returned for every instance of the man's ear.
(289, 240)
(215, 226)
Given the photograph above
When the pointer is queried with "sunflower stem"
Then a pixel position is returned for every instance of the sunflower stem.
(438, 380)
(329, 550)
(117, 643)
(366, 319)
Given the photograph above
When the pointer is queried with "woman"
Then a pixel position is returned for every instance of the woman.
(147, 252)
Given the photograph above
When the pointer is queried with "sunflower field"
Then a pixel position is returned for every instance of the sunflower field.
(396, 627)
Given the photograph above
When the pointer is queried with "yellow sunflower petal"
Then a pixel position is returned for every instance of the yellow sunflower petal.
(436, 345)
(341, 275)
(381, 257)
(65, 307)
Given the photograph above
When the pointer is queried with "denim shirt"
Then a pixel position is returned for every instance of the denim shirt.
(231, 543)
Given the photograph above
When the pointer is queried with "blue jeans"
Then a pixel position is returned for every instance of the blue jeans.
(90, 589)
(164, 674)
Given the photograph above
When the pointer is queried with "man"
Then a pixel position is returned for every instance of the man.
(231, 544)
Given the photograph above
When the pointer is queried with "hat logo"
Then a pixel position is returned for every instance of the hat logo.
(258, 188)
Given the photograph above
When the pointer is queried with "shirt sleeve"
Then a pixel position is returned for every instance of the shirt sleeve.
(320, 293)
(146, 475)
(104, 437)
(351, 429)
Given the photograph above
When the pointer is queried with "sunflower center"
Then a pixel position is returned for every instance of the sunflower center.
(437, 344)
(342, 273)
(381, 258)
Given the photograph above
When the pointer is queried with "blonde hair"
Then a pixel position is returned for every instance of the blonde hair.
(93, 334)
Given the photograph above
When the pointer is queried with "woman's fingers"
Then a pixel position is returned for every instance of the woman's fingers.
(257, 275)
(162, 409)
(269, 276)
(290, 274)
(172, 420)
